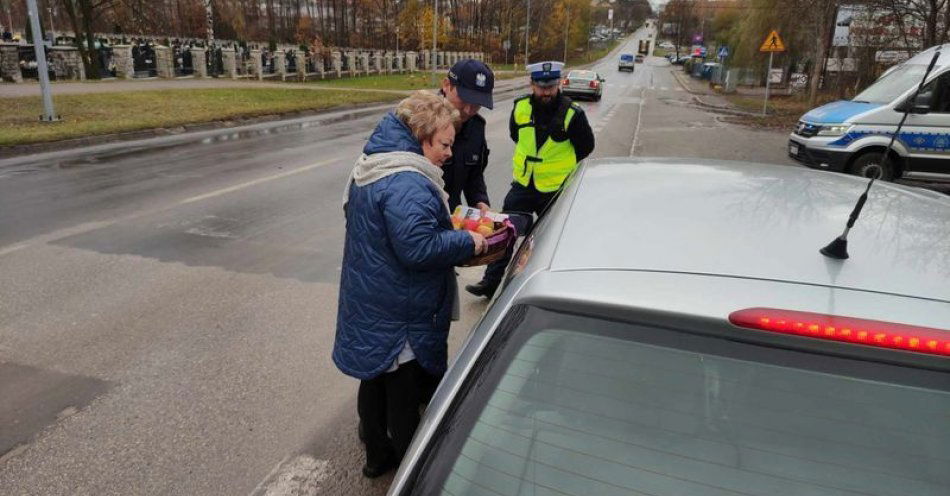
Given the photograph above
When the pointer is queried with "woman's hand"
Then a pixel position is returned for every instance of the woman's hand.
(479, 240)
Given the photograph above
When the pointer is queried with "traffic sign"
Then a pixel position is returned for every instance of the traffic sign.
(723, 52)
(773, 43)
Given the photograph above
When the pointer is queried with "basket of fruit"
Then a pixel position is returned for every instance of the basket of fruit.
(499, 233)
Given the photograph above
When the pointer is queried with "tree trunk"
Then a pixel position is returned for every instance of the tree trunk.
(824, 22)
(87, 18)
(83, 53)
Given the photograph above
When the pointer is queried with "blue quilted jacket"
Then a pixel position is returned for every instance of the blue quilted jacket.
(398, 263)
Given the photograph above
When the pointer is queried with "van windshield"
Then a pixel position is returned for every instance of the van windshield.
(893, 84)
(572, 405)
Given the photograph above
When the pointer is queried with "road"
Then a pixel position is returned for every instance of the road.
(167, 309)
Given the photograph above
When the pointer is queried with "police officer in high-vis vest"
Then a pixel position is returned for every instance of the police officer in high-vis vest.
(551, 136)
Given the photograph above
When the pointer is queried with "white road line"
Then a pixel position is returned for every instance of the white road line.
(91, 226)
(255, 182)
(636, 132)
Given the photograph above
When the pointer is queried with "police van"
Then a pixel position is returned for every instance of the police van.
(852, 135)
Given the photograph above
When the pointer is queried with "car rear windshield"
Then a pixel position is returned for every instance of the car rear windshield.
(568, 405)
(893, 84)
(626, 58)
(581, 75)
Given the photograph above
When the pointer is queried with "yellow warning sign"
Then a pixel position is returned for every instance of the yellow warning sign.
(773, 43)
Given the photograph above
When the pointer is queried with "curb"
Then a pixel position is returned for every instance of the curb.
(163, 137)
(201, 130)
(678, 78)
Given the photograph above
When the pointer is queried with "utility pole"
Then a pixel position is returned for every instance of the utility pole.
(567, 23)
(52, 28)
(435, 39)
(527, 31)
(49, 114)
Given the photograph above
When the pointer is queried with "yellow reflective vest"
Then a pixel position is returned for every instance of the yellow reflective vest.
(550, 164)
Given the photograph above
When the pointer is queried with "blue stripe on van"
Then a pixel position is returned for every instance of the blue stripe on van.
(918, 142)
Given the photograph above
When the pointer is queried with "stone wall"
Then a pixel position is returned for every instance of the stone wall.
(66, 63)
(10, 63)
(229, 60)
(164, 65)
(199, 61)
(124, 65)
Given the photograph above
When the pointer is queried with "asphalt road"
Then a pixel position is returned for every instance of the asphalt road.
(168, 308)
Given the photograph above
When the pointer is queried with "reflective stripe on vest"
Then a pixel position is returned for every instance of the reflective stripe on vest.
(551, 164)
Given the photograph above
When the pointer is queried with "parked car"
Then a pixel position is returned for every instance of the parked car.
(626, 63)
(682, 59)
(667, 45)
(851, 135)
(639, 58)
(581, 83)
(704, 347)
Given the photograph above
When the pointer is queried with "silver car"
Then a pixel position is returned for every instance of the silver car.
(669, 328)
(580, 83)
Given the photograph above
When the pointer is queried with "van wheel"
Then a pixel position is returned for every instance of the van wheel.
(872, 164)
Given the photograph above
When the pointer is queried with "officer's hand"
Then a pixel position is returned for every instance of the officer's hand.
(479, 242)
(483, 207)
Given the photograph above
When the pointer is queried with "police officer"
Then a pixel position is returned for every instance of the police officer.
(468, 87)
(551, 135)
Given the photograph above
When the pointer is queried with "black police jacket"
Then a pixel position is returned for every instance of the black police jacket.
(465, 171)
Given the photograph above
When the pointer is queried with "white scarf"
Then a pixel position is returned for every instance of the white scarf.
(372, 168)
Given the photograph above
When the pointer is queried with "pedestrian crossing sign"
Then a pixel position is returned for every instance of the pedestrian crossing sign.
(773, 43)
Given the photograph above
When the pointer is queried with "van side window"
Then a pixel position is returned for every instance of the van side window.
(937, 93)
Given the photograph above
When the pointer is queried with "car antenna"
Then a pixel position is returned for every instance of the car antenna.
(838, 248)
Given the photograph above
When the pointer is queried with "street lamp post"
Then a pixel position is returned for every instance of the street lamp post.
(527, 32)
(435, 31)
(567, 23)
(49, 114)
(52, 28)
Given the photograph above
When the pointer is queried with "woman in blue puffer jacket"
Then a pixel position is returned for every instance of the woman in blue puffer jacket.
(398, 287)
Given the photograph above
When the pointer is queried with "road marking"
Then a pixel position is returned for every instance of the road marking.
(255, 182)
(636, 132)
(92, 226)
(299, 476)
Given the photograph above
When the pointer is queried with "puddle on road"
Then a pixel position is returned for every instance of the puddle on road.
(36, 398)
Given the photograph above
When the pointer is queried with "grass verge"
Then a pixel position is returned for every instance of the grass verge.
(107, 113)
(783, 111)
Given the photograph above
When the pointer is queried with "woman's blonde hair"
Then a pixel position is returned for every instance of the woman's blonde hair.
(425, 113)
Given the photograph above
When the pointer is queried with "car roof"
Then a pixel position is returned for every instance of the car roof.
(754, 221)
(923, 58)
(581, 72)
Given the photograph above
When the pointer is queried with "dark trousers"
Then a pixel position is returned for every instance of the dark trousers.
(388, 407)
(521, 203)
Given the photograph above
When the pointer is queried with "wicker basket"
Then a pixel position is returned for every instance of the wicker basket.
(497, 243)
